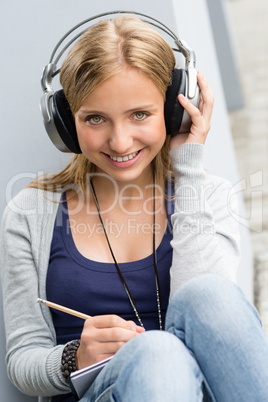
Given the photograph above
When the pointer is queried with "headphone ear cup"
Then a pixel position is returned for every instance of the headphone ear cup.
(173, 110)
(64, 121)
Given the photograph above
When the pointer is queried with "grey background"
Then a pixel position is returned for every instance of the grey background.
(29, 30)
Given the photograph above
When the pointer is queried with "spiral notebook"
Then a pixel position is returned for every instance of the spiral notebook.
(81, 380)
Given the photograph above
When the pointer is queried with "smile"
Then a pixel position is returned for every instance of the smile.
(124, 158)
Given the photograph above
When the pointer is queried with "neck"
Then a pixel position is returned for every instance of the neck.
(108, 187)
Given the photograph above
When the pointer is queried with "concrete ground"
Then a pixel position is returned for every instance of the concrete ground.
(249, 29)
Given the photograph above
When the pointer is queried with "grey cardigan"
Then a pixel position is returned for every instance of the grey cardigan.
(205, 240)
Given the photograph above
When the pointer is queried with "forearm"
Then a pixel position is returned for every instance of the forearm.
(36, 371)
(205, 236)
(33, 360)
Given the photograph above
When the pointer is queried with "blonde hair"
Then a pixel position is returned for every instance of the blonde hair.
(104, 50)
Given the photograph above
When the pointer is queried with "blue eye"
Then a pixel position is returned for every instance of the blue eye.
(139, 116)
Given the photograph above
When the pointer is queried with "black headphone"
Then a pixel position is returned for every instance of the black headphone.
(58, 119)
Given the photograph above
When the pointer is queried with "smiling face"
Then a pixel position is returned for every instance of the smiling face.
(120, 125)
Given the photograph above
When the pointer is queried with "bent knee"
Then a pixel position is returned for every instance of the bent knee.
(154, 342)
(208, 297)
(207, 287)
(154, 348)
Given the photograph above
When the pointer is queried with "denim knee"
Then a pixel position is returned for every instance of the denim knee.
(161, 366)
(208, 299)
(154, 349)
(153, 343)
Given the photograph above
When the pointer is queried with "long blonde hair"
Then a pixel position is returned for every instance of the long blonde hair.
(104, 50)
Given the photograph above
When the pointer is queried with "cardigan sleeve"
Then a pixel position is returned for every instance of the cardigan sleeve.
(33, 360)
(205, 232)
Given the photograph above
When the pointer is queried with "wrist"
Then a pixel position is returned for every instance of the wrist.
(68, 358)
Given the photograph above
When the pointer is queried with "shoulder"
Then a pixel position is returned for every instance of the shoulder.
(33, 201)
(30, 207)
(27, 214)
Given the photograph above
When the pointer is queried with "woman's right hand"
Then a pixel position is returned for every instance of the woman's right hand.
(102, 337)
(201, 117)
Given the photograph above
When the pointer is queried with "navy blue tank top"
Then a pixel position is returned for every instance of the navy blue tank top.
(95, 288)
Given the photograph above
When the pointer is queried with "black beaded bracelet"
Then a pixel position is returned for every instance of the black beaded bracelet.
(68, 364)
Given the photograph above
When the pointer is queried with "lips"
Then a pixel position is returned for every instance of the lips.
(124, 158)
(125, 161)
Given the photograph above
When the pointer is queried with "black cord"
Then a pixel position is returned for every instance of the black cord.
(158, 295)
(116, 264)
(157, 282)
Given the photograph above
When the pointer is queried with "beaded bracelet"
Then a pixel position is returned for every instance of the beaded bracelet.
(68, 364)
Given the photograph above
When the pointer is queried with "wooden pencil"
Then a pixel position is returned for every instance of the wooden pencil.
(63, 309)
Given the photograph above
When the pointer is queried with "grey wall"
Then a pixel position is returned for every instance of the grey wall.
(193, 21)
(29, 30)
(225, 53)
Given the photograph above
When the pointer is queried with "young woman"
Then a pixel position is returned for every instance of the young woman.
(135, 233)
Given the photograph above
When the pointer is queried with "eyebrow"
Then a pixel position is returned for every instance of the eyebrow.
(149, 107)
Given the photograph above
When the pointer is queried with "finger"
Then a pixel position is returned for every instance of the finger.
(104, 350)
(108, 348)
(192, 110)
(94, 352)
(135, 327)
(115, 334)
(108, 329)
(140, 329)
(206, 98)
(201, 104)
(110, 321)
(97, 342)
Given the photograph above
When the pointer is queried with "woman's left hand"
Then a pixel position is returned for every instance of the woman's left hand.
(201, 117)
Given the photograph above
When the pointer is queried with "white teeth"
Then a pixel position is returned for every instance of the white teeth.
(124, 158)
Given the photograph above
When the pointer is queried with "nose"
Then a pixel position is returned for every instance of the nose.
(121, 139)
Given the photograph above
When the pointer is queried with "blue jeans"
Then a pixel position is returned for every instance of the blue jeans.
(213, 339)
